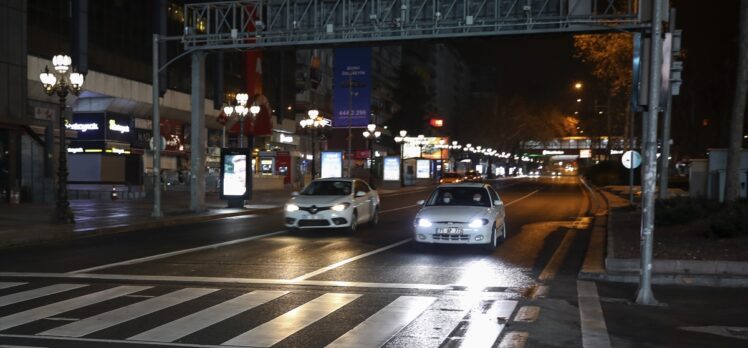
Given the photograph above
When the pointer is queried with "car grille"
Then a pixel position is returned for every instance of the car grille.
(451, 222)
(314, 209)
(313, 223)
(442, 236)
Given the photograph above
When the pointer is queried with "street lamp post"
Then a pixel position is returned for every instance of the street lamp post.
(371, 134)
(241, 110)
(401, 140)
(421, 141)
(61, 82)
(314, 124)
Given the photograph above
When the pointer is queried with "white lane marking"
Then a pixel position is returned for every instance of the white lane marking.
(349, 260)
(4, 285)
(726, 331)
(100, 340)
(401, 208)
(225, 280)
(62, 319)
(527, 314)
(550, 270)
(384, 324)
(521, 198)
(36, 293)
(174, 253)
(514, 339)
(484, 328)
(120, 315)
(13, 346)
(53, 309)
(594, 331)
(184, 326)
(291, 322)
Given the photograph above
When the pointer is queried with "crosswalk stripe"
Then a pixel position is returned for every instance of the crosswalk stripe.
(5, 285)
(67, 305)
(184, 326)
(485, 328)
(127, 313)
(385, 323)
(289, 323)
(36, 293)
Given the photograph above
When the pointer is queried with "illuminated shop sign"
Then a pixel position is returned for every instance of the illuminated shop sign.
(82, 127)
(286, 138)
(118, 127)
(75, 150)
(552, 152)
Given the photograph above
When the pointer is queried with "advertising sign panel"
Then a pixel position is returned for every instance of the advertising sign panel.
(234, 173)
(352, 91)
(391, 168)
(118, 128)
(423, 169)
(411, 148)
(332, 164)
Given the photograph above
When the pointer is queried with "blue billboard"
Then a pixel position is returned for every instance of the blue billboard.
(352, 91)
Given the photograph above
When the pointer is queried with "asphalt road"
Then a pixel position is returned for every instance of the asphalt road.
(248, 282)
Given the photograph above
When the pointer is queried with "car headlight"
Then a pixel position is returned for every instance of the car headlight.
(478, 223)
(341, 206)
(291, 207)
(423, 222)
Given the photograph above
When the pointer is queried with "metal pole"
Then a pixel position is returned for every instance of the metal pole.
(198, 133)
(241, 131)
(649, 169)
(631, 156)
(64, 213)
(156, 135)
(223, 136)
(314, 155)
(350, 115)
(402, 164)
(665, 156)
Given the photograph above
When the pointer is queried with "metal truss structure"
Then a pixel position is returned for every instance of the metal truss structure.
(246, 24)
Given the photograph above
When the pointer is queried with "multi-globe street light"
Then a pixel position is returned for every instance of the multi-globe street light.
(314, 125)
(401, 140)
(240, 110)
(371, 134)
(62, 81)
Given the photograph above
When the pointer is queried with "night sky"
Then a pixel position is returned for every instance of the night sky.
(542, 68)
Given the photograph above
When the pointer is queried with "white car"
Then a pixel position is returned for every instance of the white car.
(464, 213)
(333, 202)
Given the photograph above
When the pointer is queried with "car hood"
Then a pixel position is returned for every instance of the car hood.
(320, 201)
(453, 213)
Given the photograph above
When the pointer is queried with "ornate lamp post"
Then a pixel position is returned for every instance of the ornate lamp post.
(241, 110)
(371, 134)
(401, 140)
(61, 82)
(314, 125)
(421, 142)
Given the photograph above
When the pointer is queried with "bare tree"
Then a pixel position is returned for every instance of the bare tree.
(732, 184)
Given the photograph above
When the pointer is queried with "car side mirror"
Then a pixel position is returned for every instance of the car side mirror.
(498, 203)
(421, 202)
(295, 193)
(360, 194)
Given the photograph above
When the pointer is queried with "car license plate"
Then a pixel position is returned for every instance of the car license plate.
(449, 230)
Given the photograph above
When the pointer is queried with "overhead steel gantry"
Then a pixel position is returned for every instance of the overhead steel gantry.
(247, 24)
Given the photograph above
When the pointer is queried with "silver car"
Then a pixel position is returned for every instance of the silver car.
(464, 213)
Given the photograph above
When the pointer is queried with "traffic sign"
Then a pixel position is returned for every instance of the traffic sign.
(163, 143)
(631, 159)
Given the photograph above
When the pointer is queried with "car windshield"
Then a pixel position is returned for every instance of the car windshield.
(465, 196)
(327, 188)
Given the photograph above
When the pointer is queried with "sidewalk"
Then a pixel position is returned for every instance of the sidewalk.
(601, 262)
(28, 224)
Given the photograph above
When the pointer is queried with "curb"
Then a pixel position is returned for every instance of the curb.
(597, 267)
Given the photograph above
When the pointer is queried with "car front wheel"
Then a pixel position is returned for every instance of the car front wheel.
(374, 219)
(491, 245)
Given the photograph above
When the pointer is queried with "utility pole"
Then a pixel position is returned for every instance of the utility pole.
(350, 119)
(649, 168)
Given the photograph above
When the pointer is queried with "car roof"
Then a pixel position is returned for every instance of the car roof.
(465, 184)
(334, 179)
